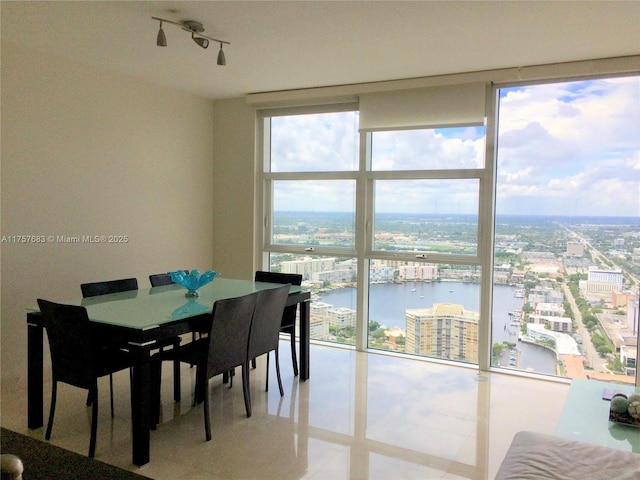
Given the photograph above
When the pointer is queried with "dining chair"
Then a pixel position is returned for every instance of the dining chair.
(78, 358)
(162, 279)
(225, 348)
(288, 323)
(106, 287)
(265, 328)
(94, 289)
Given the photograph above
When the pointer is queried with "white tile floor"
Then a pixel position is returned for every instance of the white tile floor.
(360, 416)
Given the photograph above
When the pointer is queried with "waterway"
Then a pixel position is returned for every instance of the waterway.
(388, 302)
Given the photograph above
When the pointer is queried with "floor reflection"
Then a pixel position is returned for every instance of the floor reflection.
(359, 416)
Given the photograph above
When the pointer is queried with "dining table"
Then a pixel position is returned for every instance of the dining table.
(141, 319)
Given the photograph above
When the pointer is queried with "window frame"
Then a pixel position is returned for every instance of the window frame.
(363, 249)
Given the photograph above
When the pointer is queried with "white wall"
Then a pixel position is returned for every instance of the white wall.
(233, 188)
(87, 152)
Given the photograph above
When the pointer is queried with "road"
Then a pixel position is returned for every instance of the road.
(593, 359)
(599, 256)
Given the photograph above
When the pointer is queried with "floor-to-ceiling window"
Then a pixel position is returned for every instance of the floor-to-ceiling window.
(310, 182)
(427, 234)
(567, 235)
(424, 267)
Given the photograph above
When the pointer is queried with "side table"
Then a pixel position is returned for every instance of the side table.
(585, 417)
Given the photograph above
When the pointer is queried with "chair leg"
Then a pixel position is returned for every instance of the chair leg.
(253, 363)
(267, 375)
(94, 424)
(202, 384)
(294, 357)
(52, 409)
(230, 375)
(111, 390)
(194, 337)
(277, 355)
(245, 390)
(207, 419)
(176, 372)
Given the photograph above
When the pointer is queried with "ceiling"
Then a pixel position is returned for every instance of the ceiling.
(283, 45)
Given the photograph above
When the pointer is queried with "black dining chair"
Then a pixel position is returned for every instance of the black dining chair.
(106, 287)
(162, 279)
(288, 323)
(94, 289)
(265, 328)
(78, 358)
(225, 348)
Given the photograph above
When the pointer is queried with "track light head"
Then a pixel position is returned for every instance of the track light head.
(203, 42)
(162, 40)
(221, 58)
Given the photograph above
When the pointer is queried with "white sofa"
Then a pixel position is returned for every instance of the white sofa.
(539, 456)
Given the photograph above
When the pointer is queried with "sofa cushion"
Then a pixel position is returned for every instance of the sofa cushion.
(540, 456)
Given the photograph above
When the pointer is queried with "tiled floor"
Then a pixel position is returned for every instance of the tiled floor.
(360, 416)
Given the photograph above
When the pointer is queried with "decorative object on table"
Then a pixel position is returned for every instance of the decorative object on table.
(193, 280)
(634, 405)
(625, 409)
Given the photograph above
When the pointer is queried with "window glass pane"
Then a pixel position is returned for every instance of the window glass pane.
(314, 212)
(427, 216)
(333, 283)
(433, 149)
(319, 142)
(567, 223)
(424, 309)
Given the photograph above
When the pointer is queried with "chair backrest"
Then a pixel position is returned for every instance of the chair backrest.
(110, 286)
(71, 342)
(265, 328)
(160, 279)
(229, 333)
(289, 314)
(277, 277)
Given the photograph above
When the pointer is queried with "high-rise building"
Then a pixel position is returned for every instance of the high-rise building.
(603, 281)
(308, 266)
(446, 330)
(418, 271)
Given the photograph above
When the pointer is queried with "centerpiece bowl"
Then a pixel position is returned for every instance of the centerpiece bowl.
(193, 280)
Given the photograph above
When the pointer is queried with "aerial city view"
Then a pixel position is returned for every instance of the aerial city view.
(555, 202)
(565, 292)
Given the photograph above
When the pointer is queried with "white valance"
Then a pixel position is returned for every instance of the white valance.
(450, 105)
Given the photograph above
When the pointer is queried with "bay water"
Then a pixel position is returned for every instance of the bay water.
(388, 302)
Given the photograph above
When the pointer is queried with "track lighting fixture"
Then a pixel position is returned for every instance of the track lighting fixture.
(196, 30)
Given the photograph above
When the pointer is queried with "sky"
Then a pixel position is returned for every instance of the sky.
(568, 148)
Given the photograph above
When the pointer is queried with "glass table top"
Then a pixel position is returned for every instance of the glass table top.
(147, 308)
(585, 417)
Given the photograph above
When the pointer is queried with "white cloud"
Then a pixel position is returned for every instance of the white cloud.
(565, 148)
(568, 145)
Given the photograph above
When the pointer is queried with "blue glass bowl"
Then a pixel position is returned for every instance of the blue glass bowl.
(193, 280)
